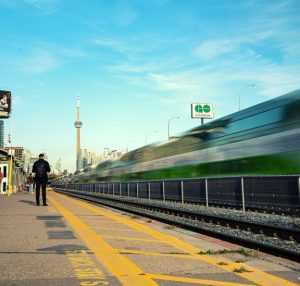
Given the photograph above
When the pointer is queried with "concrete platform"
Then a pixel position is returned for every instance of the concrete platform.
(72, 242)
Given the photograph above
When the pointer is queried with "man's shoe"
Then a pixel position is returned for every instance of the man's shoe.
(37, 204)
(45, 204)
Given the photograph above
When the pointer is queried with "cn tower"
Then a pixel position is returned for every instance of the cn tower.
(78, 125)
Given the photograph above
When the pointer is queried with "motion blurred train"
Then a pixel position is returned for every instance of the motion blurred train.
(263, 139)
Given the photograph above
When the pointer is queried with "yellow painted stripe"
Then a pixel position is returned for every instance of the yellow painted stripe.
(127, 272)
(111, 229)
(136, 226)
(195, 280)
(85, 269)
(254, 275)
(148, 253)
(130, 238)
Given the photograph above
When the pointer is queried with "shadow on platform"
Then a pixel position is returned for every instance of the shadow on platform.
(32, 203)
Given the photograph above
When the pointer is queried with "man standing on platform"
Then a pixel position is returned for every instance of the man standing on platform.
(41, 169)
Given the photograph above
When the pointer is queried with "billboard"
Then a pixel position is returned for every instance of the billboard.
(5, 103)
(202, 110)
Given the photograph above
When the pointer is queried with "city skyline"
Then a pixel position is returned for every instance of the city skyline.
(136, 64)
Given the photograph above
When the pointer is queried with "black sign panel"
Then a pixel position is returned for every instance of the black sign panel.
(5, 103)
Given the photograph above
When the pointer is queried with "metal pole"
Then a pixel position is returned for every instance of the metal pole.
(10, 176)
(243, 194)
(182, 192)
(137, 190)
(113, 189)
(163, 190)
(149, 190)
(202, 121)
(206, 192)
(120, 186)
(127, 189)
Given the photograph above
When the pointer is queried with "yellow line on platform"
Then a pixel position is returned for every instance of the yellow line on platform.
(127, 272)
(195, 280)
(130, 238)
(241, 269)
(148, 253)
(109, 228)
(85, 269)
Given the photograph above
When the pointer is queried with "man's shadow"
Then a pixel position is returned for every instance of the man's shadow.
(28, 202)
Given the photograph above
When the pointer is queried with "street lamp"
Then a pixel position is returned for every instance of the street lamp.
(169, 122)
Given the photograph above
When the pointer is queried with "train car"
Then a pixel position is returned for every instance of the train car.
(263, 139)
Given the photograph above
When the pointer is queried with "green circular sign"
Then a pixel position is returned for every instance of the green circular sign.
(198, 108)
(206, 108)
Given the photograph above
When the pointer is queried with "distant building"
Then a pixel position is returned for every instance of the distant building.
(16, 179)
(22, 156)
(18, 152)
(88, 158)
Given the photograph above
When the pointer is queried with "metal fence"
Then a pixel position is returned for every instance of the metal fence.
(270, 192)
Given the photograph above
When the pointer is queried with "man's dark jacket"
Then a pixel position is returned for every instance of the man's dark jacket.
(41, 168)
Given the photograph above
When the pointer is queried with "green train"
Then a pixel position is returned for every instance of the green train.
(260, 140)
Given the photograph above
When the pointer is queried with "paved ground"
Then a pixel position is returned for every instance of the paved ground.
(72, 242)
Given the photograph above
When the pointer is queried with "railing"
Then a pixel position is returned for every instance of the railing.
(266, 192)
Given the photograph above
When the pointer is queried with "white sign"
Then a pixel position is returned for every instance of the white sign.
(202, 110)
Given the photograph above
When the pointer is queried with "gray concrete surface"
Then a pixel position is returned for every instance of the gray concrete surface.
(39, 248)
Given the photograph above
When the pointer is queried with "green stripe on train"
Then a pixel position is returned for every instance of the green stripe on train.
(278, 164)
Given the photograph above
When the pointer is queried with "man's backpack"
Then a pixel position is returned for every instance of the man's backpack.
(41, 169)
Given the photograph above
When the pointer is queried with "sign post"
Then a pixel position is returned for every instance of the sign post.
(202, 111)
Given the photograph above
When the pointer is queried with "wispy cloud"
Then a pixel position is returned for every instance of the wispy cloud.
(174, 82)
(48, 57)
(217, 66)
(39, 61)
(211, 49)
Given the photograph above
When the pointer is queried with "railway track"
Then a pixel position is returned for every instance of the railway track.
(274, 234)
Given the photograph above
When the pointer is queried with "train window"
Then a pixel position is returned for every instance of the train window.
(258, 120)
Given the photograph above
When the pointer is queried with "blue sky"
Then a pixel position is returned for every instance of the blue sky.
(136, 63)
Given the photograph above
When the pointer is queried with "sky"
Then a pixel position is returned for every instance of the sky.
(137, 63)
